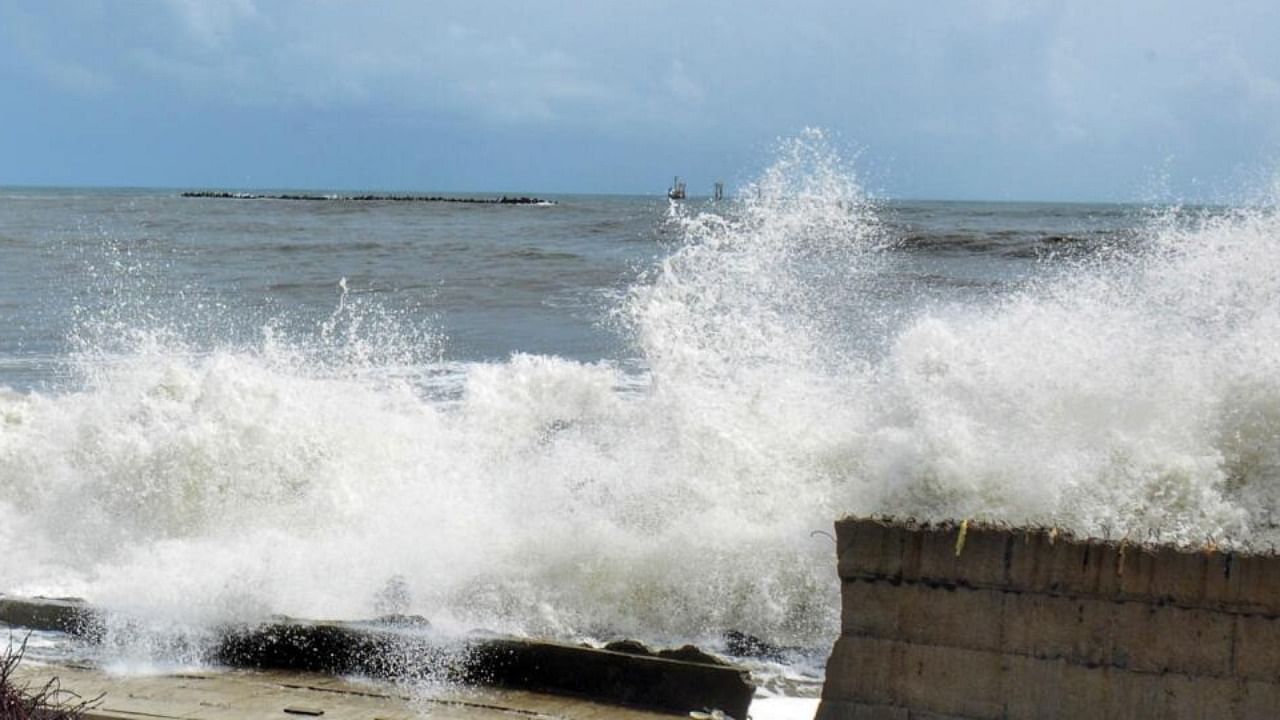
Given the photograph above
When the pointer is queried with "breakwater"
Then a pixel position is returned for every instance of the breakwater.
(503, 200)
(404, 647)
(960, 621)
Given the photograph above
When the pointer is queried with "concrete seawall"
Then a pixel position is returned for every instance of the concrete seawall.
(967, 621)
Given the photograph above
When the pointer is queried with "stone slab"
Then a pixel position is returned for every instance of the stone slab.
(409, 650)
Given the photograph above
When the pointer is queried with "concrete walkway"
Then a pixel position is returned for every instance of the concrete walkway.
(274, 695)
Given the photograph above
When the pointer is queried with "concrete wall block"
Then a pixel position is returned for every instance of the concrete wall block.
(841, 672)
(955, 682)
(1258, 584)
(945, 680)
(1173, 696)
(923, 678)
(1256, 700)
(1179, 697)
(1083, 630)
(1040, 562)
(1180, 576)
(872, 607)
(861, 669)
(1223, 587)
(1106, 568)
(1115, 570)
(1031, 624)
(1125, 635)
(1024, 560)
(1041, 689)
(1043, 560)
(955, 617)
(937, 559)
(1097, 574)
(1136, 569)
(926, 553)
(1066, 569)
(1221, 584)
(982, 557)
(920, 613)
(1257, 647)
(949, 680)
(912, 554)
(938, 554)
(1159, 639)
(851, 531)
(1046, 689)
(870, 548)
(1047, 626)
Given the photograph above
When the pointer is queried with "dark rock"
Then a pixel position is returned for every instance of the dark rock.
(69, 615)
(691, 654)
(741, 644)
(631, 647)
(398, 620)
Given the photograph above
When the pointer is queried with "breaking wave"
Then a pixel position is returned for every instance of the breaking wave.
(1136, 394)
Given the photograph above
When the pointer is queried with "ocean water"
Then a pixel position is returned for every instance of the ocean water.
(612, 416)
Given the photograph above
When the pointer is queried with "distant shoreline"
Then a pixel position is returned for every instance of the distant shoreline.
(503, 200)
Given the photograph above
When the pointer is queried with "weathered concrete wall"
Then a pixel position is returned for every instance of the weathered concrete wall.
(965, 621)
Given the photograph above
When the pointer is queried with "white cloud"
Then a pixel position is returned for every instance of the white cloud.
(682, 86)
(43, 51)
(212, 23)
(1008, 83)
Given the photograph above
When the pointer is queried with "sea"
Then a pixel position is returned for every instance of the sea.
(607, 417)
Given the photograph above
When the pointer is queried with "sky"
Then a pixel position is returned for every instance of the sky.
(1070, 100)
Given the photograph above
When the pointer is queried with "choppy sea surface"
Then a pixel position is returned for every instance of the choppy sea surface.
(611, 416)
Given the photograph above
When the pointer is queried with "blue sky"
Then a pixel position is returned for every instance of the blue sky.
(978, 99)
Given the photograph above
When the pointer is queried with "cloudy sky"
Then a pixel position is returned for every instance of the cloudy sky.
(988, 99)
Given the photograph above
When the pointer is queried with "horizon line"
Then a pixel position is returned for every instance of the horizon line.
(658, 194)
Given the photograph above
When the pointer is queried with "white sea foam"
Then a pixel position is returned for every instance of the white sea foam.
(1137, 394)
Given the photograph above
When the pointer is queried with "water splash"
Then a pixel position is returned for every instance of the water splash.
(1129, 398)
(305, 474)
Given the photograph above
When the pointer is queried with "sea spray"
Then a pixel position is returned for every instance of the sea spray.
(547, 497)
(197, 477)
(1108, 401)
